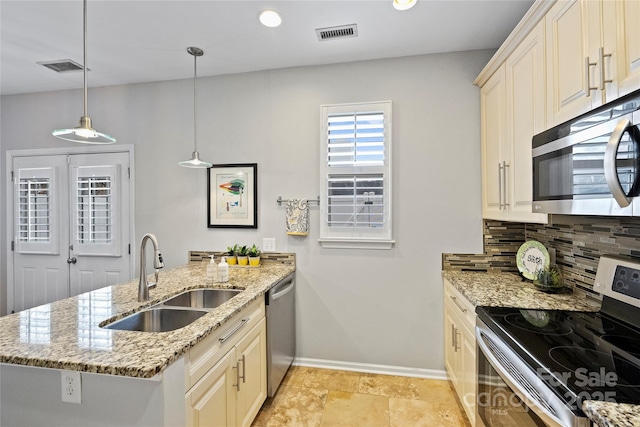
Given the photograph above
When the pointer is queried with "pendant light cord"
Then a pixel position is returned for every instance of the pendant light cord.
(195, 106)
(84, 59)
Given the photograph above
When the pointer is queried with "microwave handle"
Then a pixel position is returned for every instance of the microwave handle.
(610, 171)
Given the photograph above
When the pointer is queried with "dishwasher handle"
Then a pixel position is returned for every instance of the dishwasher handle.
(281, 289)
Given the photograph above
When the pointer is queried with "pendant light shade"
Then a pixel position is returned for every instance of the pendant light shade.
(194, 161)
(84, 133)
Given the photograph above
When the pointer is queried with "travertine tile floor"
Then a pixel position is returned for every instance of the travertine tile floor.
(312, 397)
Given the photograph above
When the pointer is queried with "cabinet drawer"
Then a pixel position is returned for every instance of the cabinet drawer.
(211, 349)
(463, 308)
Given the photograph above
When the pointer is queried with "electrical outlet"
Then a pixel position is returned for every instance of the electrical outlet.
(71, 387)
(269, 244)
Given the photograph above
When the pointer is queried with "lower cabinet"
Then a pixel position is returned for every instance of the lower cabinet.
(226, 378)
(460, 347)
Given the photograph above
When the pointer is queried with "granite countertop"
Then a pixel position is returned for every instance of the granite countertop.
(610, 414)
(66, 334)
(508, 290)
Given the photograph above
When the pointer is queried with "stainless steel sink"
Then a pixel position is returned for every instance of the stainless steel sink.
(157, 320)
(202, 298)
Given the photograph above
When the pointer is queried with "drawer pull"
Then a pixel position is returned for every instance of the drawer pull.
(234, 330)
(455, 301)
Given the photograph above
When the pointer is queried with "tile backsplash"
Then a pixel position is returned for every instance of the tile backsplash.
(578, 241)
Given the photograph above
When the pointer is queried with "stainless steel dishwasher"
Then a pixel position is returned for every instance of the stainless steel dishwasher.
(281, 331)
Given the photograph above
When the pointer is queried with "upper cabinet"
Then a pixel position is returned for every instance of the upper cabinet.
(628, 33)
(495, 150)
(525, 92)
(512, 111)
(563, 59)
(593, 55)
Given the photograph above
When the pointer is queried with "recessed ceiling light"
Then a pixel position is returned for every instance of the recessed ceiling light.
(404, 4)
(270, 18)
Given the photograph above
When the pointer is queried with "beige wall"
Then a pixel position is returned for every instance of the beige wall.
(354, 306)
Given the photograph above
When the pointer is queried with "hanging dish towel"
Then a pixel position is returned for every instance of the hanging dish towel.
(297, 217)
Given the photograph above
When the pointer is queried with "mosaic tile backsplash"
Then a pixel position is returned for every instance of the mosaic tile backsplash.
(578, 242)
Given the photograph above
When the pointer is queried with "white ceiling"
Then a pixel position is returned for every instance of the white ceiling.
(132, 41)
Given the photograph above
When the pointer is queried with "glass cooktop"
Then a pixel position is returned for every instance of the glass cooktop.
(581, 356)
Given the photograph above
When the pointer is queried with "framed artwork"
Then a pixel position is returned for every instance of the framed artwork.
(232, 199)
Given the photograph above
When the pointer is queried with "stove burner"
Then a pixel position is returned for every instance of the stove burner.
(596, 368)
(537, 321)
(594, 322)
(629, 345)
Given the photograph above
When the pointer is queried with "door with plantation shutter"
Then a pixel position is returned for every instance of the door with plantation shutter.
(71, 226)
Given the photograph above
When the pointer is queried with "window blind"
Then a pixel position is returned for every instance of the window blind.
(355, 201)
(356, 139)
(94, 207)
(34, 210)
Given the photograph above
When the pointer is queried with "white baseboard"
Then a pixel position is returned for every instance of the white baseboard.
(402, 371)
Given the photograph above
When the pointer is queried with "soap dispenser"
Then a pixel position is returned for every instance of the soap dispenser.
(212, 272)
(223, 270)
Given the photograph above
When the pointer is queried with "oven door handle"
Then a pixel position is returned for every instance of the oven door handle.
(610, 171)
(513, 384)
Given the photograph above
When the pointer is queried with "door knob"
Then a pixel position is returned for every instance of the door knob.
(72, 260)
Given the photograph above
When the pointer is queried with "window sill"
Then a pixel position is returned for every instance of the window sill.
(329, 243)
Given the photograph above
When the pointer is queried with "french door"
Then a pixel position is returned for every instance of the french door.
(71, 225)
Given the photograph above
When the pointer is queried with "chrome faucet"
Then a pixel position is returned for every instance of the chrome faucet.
(143, 286)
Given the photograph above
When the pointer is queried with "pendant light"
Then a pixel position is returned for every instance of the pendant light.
(194, 161)
(84, 133)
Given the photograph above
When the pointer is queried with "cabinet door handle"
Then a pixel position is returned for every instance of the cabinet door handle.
(456, 347)
(237, 384)
(243, 371)
(587, 75)
(234, 330)
(500, 205)
(455, 301)
(453, 336)
(603, 79)
(505, 165)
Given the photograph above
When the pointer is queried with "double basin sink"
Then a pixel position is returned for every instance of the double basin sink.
(175, 312)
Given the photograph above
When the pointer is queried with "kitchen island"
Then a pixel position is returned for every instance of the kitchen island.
(142, 375)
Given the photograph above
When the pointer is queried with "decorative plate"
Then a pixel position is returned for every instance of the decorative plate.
(532, 256)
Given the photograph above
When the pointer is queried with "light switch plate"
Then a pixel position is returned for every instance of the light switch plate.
(269, 244)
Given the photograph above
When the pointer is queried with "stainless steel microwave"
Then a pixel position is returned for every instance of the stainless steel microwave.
(590, 165)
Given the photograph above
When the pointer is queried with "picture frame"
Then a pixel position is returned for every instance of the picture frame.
(232, 196)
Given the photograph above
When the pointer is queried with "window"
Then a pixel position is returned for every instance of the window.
(94, 208)
(355, 176)
(36, 221)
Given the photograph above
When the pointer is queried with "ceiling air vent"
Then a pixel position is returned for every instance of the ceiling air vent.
(340, 32)
(62, 65)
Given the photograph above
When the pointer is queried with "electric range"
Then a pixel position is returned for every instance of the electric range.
(536, 367)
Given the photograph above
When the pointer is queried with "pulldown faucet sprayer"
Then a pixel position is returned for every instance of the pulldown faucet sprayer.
(143, 285)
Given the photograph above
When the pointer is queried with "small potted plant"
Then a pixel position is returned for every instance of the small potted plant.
(243, 259)
(254, 256)
(232, 255)
(549, 279)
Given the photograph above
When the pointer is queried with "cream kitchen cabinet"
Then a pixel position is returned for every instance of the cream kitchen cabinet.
(525, 92)
(628, 45)
(495, 149)
(513, 110)
(593, 55)
(460, 347)
(226, 378)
